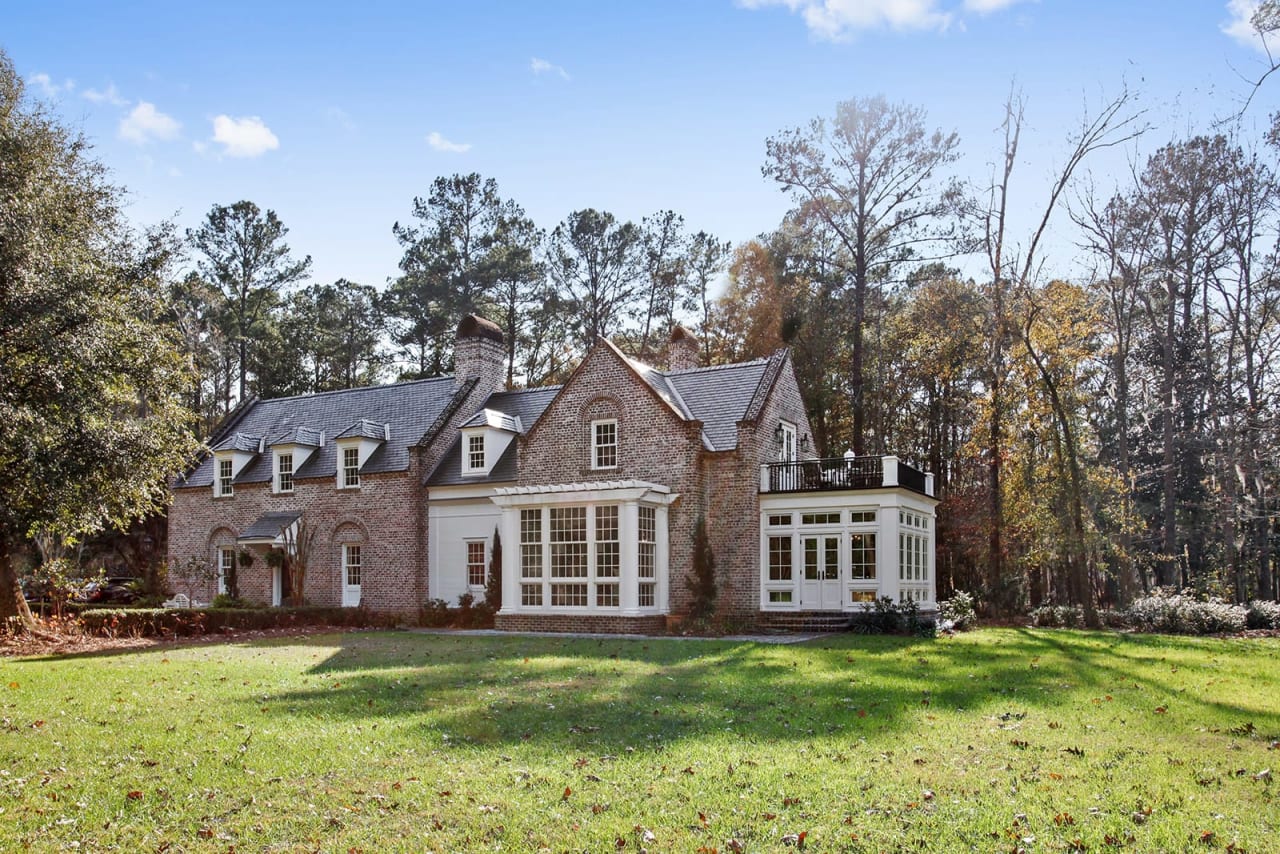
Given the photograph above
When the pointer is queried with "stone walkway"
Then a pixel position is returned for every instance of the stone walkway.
(791, 637)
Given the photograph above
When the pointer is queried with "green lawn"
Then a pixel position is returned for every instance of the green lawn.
(989, 741)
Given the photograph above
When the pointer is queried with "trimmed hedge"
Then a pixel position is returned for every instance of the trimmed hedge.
(148, 622)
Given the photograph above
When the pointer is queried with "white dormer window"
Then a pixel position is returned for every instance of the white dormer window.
(350, 468)
(284, 472)
(604, 444)
(475, 453)
(226, 473)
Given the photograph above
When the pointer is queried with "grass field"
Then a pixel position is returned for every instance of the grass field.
(990, 741)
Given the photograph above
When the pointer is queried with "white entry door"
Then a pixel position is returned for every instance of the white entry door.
(820, 588)
(277, 586)
(351, 576)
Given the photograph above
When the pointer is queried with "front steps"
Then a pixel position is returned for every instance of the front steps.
(804, 621)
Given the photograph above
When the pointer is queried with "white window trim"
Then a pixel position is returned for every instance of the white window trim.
(343, 481)
(596, 446)
(348, 563)
(468, 467)
(484, 552)
(224, 487)
(277, 479)
(226, 555)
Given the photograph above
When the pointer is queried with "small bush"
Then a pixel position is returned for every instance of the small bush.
(225, 600)
(1057, 617)
(435, 613)
(887, 617)
(1181, 614)
(1263, 614)
(958, 613)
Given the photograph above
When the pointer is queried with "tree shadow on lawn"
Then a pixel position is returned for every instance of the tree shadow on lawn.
(611, 694)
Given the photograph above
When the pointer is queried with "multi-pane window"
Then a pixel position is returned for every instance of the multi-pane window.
(572, 556)
(608, 556)
(284, 472)
(350, 467)
(226, 566)
(780, 597)
(351, 565)
(475, 563)
(648, 556)
(779, 519)
(475, 453)
(859, 516)
(568, 531)
(779, 558)
(604, 445)
(225, 469)
(820, 518)
(862, 561)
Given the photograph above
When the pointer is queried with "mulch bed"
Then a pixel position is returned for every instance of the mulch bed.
(73, 643)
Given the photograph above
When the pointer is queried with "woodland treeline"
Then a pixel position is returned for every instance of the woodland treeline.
(1092, 437)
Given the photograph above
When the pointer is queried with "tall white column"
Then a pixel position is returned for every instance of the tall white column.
(629, 548)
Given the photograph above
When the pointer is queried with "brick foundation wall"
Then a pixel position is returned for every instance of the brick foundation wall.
(603, 624)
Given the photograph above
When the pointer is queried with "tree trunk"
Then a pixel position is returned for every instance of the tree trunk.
(13, 605)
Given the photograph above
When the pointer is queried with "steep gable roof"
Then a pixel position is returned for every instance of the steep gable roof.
(720, 397)
(409, 408)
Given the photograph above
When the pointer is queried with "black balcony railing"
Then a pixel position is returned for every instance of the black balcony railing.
(834, 473)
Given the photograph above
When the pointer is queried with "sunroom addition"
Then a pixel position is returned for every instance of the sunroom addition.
(585, 548)
(837, 534)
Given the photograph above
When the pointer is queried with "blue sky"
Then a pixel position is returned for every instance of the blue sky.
(337, 115)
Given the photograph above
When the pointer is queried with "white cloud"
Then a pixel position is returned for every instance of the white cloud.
(48, 88)
(110, 95)
(244, 137)
(147, 124)
(439, 143)
(840, 19)
(1240, 26)
(986, 7)
(541, 66)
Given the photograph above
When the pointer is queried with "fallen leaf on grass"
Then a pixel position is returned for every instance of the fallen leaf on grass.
(134, 795)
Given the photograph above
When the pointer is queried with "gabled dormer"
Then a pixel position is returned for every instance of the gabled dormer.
(289, 453)
(485, 436)
(355, 446)
(230, 457)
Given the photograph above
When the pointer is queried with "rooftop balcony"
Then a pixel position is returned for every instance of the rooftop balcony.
(829, 474)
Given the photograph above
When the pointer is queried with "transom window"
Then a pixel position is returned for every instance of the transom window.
(860, 516)
(284, 472)
(778, 519)
(475, 453)
(604, 444)
(820, 518)
(225, 476)
(475, 563)
(351, 565)
(350, 468)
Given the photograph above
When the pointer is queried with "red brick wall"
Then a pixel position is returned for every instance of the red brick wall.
(580, 623)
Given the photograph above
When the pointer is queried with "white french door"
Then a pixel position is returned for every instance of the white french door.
(820, 585)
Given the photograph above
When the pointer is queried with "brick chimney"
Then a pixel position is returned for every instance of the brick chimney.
(479, 352)
(682, 350)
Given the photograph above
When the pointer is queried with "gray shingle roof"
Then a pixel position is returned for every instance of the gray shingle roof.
(410, 408)
(249, 442)
(269, 525)
(365, 428)
(719, 397)
(492, 418)
(527, 405)
(306, 436)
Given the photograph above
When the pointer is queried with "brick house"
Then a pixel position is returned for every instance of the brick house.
(596, 487)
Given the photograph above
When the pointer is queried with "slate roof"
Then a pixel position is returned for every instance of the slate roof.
(305, 436)
(527, 405)
(410, 408)
(240, 442)
(269, 525)
(719, 397)
(497, 420)
(365, 428)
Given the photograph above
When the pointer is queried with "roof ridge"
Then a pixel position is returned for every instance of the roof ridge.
(708, 368)
(355, 389)
(450, 409)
